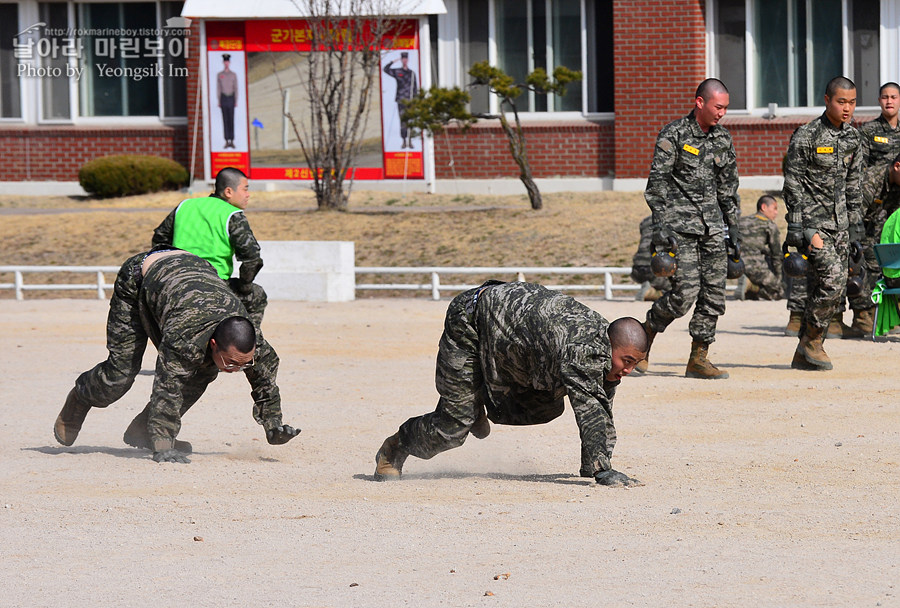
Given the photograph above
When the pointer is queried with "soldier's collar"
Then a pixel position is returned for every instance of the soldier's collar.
(695, 126)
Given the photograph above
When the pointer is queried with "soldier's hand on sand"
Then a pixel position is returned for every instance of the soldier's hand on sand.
(615, 478)
(281, 434)
(171, 455)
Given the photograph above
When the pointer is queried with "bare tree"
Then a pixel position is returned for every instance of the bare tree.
(340, 74)
(433, 109)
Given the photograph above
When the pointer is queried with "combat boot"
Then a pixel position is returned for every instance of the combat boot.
(811, 350)
(795, 324)
(864, 320)
(137, 435)
(699, 366)
(481, 428)
(742, 286)
(838, 330)
(71, 417)
(642, 366)
(389, 459)
(652, 295)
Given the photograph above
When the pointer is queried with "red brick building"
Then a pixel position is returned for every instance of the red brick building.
(71, 92)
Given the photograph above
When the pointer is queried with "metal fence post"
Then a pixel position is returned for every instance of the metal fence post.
(435, 286)
(19, 283)
(520, 277)
(101, 295)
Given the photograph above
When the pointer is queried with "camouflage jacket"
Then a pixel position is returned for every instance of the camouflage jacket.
(762, 241)
(645, 246)
(243, 243)
(822, 174)
(885, 201)
(537, 346)
(693, 182)
(881, 145)
(181, 301)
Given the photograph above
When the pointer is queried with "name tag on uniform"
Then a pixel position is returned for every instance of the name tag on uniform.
(881, 140)
(691, 149)
(824, 150)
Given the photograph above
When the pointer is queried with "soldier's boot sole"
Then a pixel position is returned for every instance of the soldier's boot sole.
(389, 460)
(812, 349)
(481, 428)
(794, 325)
(800, 362)
(71, 418)
(848, 332)
(137, 436)
(700, 367)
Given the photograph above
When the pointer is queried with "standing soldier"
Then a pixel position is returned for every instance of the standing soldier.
(509, 354)
(200, 328)
(226, 94)
(692, 192)
(215, 228)
(761, 253)
(881, 145)
(652, 286)
(822, 192)
(407, 87)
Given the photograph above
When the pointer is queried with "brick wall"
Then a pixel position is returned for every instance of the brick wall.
(578, 148)
(57, 153)
(660, 58)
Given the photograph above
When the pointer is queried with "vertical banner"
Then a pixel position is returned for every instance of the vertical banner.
(229, 133)
(400, 82)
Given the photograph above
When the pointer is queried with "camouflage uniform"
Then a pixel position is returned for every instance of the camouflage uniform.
(640, 263)
(692, 192)
(881, 145)
(245, 247)
(177, 305)
(761, 252)
(517, 349)
(822, 173)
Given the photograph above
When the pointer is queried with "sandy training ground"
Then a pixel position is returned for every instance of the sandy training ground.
(773, 488)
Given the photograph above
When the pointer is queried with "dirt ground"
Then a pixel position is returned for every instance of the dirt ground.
(773, 488)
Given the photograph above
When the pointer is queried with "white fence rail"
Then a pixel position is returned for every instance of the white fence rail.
(19, 285)
(499, 272)
(433, 284)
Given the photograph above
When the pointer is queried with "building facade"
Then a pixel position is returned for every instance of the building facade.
(88, 79)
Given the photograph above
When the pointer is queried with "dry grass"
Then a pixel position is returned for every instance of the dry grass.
(389, 229)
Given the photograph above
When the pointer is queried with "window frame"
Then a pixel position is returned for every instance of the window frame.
(527, 115)
(887, 58)
(23, 108)
(32, 95)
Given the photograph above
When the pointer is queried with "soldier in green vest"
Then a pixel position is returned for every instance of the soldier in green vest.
(215, 229)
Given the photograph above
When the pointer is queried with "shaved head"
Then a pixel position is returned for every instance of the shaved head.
(628, 332)
(839, 82)
(710, 87)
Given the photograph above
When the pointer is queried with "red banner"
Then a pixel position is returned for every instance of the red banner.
(297, 35)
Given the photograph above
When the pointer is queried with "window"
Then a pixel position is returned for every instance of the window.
(786, 51)
(130, 63)
(10, 98)
(530, 34)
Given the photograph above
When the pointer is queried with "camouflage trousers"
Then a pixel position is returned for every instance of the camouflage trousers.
(827, 278)
(128, 328)
(255, 302)
(126, 341)
(863, 301)
(463, 397)
(797, 293)
(699, 278)
(761, 275)
(641, 274)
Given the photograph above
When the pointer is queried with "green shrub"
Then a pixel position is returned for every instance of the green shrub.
(131, 174)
